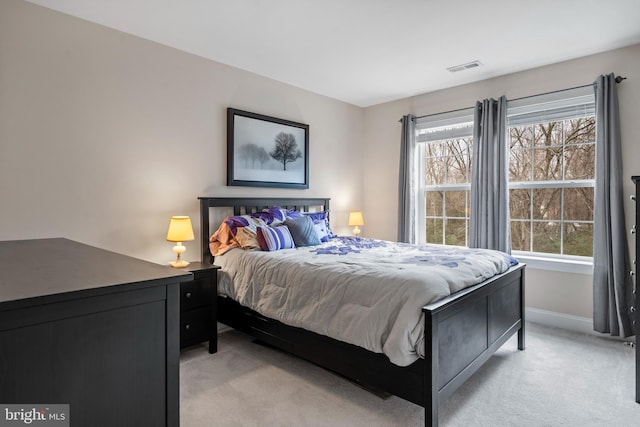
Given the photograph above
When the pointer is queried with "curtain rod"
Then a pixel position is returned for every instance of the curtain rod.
(618, 79)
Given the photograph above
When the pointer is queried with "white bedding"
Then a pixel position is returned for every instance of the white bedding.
(362, 291)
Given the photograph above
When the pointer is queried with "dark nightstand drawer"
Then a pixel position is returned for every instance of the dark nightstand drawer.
(198, 306)
(194, 325)
(196, 293)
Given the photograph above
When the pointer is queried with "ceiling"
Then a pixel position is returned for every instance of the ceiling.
(366, 52)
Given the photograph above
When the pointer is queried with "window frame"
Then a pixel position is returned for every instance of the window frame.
(545, 108)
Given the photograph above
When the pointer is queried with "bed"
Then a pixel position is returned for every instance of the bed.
(461, 330)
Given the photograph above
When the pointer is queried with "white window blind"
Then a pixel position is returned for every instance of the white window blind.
(450, 125)
(550, 107)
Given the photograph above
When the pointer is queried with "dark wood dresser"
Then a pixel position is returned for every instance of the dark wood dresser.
(636, 298)
(90, 328)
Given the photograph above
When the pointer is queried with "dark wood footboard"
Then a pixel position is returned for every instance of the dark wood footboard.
(465, 329)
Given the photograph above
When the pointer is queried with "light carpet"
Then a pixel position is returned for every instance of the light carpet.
(563, 378)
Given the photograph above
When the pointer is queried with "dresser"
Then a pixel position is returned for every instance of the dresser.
(92, 329)
(636, 307)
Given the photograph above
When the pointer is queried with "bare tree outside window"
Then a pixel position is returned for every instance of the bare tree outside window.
(447, 177)
(551, 173)
(555, 214)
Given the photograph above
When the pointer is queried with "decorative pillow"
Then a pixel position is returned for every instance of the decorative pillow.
(225, 237)
(279, 214)
(321, 223)
(247, 239)
(267, 217)
(239, 221)
(276, 215)
(275, 238)
(222, 240)
(292, 213)
(303, 231)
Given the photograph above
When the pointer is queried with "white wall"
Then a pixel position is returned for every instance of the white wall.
(553, 291)
(104, 136)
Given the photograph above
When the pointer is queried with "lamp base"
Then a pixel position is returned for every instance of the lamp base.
(179, 264)
(178, 249)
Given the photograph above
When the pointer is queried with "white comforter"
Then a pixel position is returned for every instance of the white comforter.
(362, 291)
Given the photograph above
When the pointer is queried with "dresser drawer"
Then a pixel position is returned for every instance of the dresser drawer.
(195, 326)
(195, 293)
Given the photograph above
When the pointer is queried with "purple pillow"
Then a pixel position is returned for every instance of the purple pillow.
(265, 216)
(275, 238)
(239, 221)
(279, 214)
(275, 215)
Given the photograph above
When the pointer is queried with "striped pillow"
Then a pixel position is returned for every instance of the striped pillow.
(275, 238)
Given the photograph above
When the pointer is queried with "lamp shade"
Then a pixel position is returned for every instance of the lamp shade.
(355, 219)
(180, 229)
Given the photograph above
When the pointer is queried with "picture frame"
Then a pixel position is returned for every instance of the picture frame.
(264, 151)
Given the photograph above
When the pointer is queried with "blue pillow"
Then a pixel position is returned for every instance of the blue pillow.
(303, 231)
(274, 238)
(321, 223)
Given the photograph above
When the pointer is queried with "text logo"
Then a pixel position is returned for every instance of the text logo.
(34, 415)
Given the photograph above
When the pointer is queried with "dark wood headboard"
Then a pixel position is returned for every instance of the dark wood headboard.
(244, 205)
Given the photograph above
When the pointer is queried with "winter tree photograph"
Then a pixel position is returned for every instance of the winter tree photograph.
(265, 151)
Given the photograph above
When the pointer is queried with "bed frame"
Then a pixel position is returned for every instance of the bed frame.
(462, 331)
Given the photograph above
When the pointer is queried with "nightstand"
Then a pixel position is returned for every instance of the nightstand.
(198, 306)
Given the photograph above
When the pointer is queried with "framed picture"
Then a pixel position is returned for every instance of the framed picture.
(264, 151)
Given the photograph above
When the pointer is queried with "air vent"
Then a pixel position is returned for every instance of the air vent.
(466, 66)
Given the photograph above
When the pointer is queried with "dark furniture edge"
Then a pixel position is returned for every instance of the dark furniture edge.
(636, 297)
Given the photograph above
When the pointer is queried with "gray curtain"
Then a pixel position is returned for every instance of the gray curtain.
(612, 284)
(406, 189)
(489, 208)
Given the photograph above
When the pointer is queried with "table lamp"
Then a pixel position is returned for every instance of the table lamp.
(180, 230)
(355, 220)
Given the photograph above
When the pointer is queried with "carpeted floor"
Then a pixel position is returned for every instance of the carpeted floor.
(562, 379)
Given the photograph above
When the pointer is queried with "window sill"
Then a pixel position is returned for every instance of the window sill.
(555, 264)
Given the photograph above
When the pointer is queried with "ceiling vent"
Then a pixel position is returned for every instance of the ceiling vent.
(466, 66)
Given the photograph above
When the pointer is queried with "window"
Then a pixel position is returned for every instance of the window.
(444, 149)
(551, 174)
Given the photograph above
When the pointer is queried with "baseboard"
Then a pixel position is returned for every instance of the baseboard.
(564, 321)
(559, 320)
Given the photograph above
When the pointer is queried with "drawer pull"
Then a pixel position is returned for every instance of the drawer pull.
(632, 198)
(187, 326)
(633, 230)
(187, 295)
(632, 273)
(632, 308)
